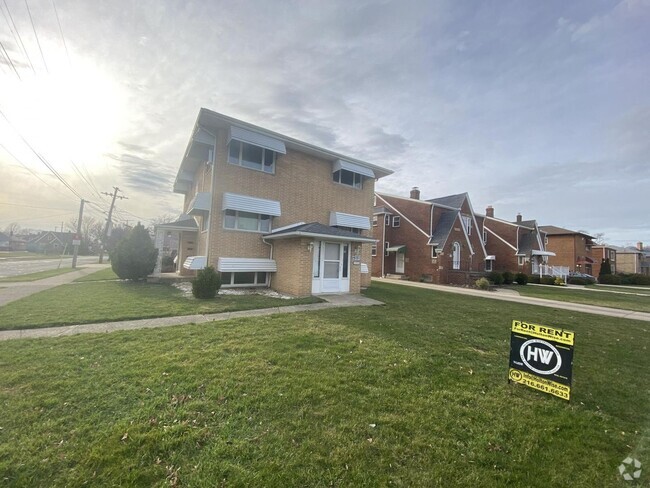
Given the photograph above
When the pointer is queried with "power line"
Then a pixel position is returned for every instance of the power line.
(80, 174)
(42, 159)
(56, 13)
(30, 206)
(4, 51)
(30, 170)
(36, 35)
(20, 39)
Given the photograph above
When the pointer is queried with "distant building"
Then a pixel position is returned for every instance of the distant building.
(633, 260)
(572, 249)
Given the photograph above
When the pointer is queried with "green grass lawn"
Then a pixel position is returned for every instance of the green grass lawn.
(638, 289)
(412, 393)
(39, 275)
(101, 275)
(587, 296)
(82, 303)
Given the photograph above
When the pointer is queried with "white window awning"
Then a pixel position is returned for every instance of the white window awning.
(401, 249)
(256, 139)
(195, 262)
(349, 220)
(200, 203)
(491, 257)
(542, 253)
(236, 265)
(355, 168)
(243, 203)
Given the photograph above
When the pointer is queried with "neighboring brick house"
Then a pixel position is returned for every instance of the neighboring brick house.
(516, 246)
(49, 242)
(572, 249)
(601, 252)
(436, 240)
(265, 209)
(633, 260)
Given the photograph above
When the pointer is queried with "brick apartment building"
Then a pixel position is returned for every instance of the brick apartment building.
(268, 210)
(572, 249)
(516, 246)
(601, 252)
(633, 259)
(437, 240)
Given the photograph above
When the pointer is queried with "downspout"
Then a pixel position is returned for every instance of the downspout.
(383, 246)
(270, 244)
(211, 215)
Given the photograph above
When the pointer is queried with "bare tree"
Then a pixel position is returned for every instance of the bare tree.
(12, 228)
(599, 238)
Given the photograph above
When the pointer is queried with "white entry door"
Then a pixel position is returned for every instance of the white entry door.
(399, 263)
(331, 267)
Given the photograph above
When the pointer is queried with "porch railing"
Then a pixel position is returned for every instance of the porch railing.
(547, 270)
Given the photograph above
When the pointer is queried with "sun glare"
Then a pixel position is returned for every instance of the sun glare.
(74, 114)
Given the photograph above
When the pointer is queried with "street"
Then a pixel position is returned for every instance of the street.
(16, 267)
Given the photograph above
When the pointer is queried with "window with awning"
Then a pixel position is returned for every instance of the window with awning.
(340, 219)
(244, 203)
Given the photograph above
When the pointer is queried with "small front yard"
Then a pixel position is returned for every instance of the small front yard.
(413, 393)
(588, 296)
(111, 301)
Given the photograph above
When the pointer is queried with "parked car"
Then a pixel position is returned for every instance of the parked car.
(581, 279)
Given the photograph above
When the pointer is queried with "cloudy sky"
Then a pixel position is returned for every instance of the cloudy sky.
(535, 107)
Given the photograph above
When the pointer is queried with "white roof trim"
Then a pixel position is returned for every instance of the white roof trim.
(402, 215)
(200, 203)
(195, 262)
(500, 238)
(233, 201)
(256, 139)
(355, 168)
(236, 265)
(349, 220)
(399, 248)
(324, 237)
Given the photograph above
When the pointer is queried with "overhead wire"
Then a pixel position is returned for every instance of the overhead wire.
(6, 54)
(36, 35)
(17, 34)
(56, 13)
(42, 159)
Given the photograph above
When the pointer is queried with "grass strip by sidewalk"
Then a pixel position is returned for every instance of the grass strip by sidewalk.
(83, 303)
(412, 393)
(39, 275)
(29, 256)
(586, 296)
(106, 274)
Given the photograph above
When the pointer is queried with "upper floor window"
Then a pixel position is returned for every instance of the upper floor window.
(345, 177)
(467, 223)
(374, 221)
(250, 156)
(396, 221)
(355, 230)
(253, 222)
(386, 220)
(374, 250)
(484, 236)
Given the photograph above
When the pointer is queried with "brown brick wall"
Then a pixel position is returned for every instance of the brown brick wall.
(303, 185)
(506, 259)
(294, 263)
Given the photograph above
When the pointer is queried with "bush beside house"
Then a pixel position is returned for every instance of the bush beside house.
(134, 257)
(206, 284)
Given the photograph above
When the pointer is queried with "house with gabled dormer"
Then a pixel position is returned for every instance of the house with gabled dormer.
(437, 240)
(517, 246)
(268, 210)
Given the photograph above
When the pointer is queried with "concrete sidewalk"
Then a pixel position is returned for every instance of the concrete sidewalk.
(511, 296)
(331, 301)
(10, 292)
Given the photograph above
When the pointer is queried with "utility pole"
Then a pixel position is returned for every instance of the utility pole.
(108, 221)
(78, 236)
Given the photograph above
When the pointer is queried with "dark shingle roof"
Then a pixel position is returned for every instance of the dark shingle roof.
(443, 228)
(553, 230)
(190, 224)
(453, 201)
(527, 223)
(526, 241)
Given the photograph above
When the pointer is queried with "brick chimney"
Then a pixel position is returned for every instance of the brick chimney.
(519, 218)
(639, 246)
(415, 193)
(489, 211)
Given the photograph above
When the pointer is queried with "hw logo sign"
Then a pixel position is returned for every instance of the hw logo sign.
(541, 357)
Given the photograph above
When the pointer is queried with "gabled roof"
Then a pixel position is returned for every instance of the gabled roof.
(527, 223)
(452, 201)
(443, 228)
(316, 229)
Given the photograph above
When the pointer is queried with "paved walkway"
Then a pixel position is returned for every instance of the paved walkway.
(511, 296)
(10, 292)
(332, 301)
